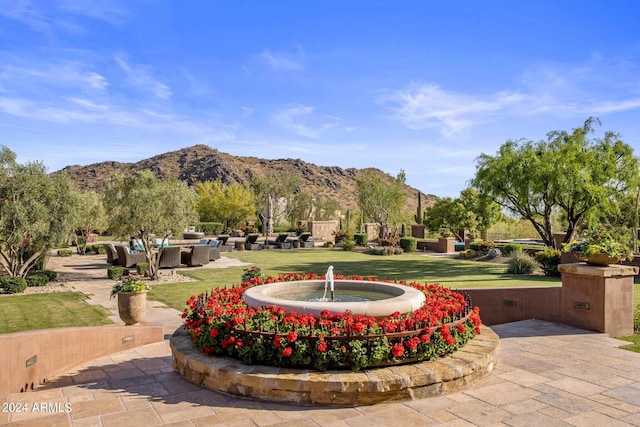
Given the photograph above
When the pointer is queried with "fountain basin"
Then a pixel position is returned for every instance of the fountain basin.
(394, 298)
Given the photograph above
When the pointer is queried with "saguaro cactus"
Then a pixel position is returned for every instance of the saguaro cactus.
(419, 216)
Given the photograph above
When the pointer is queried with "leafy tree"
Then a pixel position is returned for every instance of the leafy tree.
(299, 207)
(89, 216)
(380, 199)
(229, 204)
(578, 176)
(146, 207)
(470, 211)
(325, 208)
(270, 191)
(450, 214)
(35, 212)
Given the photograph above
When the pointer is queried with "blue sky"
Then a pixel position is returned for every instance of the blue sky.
(424, 86)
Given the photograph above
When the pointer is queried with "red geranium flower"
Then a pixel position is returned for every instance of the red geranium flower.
(397, 350)
(286, 352)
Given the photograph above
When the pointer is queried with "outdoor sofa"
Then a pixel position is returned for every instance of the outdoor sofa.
(198, 255)
(129, 259)
(170, 257)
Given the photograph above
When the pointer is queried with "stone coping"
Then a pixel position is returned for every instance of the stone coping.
(584, 269)
(341, 388)
(403, 299)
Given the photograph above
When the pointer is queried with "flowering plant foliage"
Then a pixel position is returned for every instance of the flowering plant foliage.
(599, 241)
(341, 234)
(222, 324)
(251, 273)
(131, 283)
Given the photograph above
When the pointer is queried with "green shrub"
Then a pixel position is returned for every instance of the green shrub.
(51, 275)
(142, 268)
(348, 245)
(409, 244)
(475, 246)
(280, 229)
(521, 263)
(115, 273)
(65, 252)
(636, 319)
(328, 245)
(361, 239)
(512, 247)
(63, 245)
(385, 250)
(37, 279)
(486, 246)
(469, 253)
(13, 284)
(96, 249)
(210, 228)
(494, 253)
(549, 258)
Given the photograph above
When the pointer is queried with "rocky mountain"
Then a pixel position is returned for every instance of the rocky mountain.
(202, 163)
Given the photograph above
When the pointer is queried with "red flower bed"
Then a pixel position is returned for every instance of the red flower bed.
(222, 324)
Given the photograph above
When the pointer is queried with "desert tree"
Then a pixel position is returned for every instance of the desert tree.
(380, 197)
(299, 207)
(146, 207)
(35, 212)
(89, 216)
(578, 176)
(270, 193)
(229, 204)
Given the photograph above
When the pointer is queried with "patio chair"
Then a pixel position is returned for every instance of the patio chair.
(251, 242)
(112, 255)
(280, 242)
(197, 256)
(128, 259)
(304, 240)
(214, 249)
(136, 245)
(222, 245)
(170, 257)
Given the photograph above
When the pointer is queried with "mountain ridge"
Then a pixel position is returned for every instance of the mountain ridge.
(201, 163)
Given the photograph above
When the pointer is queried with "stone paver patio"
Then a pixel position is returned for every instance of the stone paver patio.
(547, 375)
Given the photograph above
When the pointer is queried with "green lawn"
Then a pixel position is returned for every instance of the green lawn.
(42, 311)
(18, 313)
(449, 272)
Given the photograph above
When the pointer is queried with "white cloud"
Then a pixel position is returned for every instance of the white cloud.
(429, 106)
(596, 87)
(140, 77)
(281, 61)
(301, 120)
(68, 74)
(68, 16)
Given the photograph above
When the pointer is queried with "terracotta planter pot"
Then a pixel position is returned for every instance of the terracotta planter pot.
(132, 307)
(601, 259)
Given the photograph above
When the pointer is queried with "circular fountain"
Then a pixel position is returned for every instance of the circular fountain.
(363, 298)
(229, 332)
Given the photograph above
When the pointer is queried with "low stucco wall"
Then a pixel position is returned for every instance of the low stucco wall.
(504, 305)
(30, 358)
(323, 230)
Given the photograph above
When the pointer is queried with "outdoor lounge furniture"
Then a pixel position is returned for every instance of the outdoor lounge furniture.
(222, 245)
(251, 244)
(198, 255)
(304, 240)
(170, 257)
(112, 255)
(128, 259)
(280, 242)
